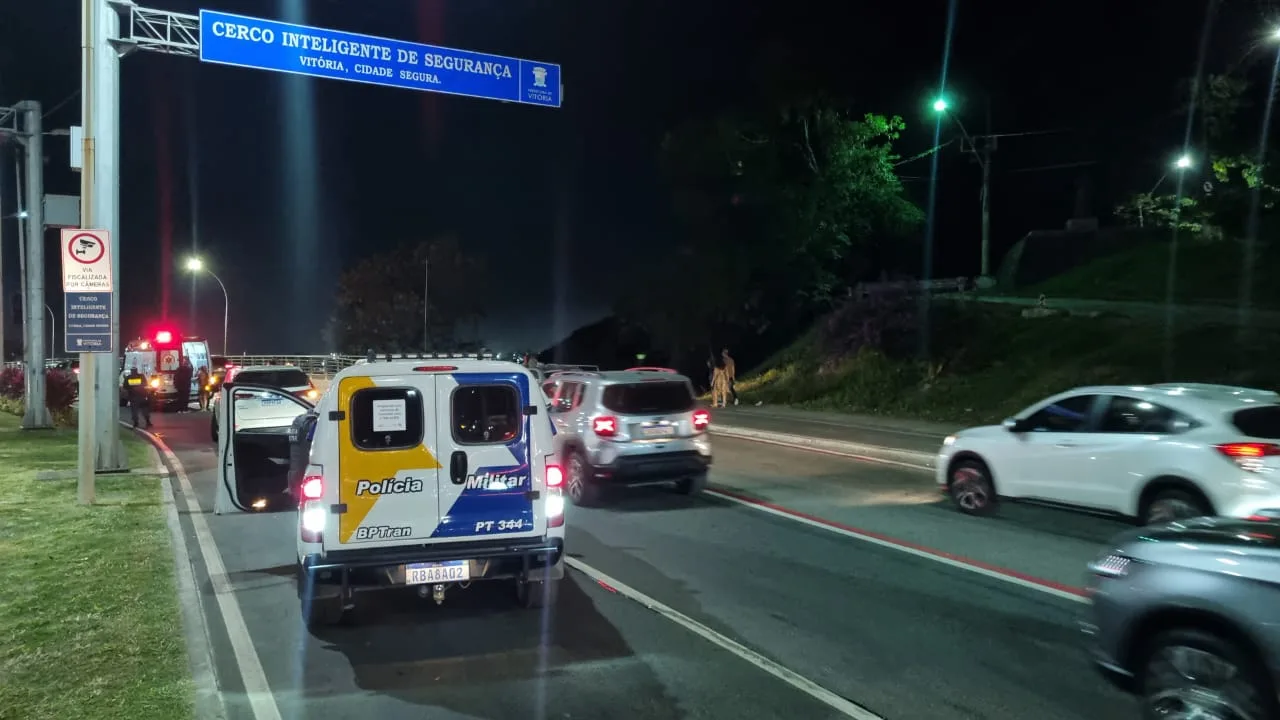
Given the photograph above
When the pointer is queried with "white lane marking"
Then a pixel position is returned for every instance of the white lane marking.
(1044, 587)
(835, 423)
(759, 436)
(795, 680)
(261, 701)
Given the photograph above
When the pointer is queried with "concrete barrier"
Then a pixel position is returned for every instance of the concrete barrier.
(913, 459)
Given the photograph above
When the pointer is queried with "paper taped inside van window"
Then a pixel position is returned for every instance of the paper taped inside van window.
(389, 416)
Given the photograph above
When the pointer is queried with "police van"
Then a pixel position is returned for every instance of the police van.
(430, 471)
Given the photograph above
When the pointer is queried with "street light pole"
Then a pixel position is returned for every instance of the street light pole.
(983, 157)
(53, 327)
(196, 265)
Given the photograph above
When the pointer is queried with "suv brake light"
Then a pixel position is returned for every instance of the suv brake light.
(1249, 450)
(605, 426)
(1248, 455)
(701, 419)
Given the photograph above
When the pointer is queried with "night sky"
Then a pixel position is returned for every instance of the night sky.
(279, 181)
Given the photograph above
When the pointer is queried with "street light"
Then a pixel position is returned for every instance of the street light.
(1183, 162)
(196, 265)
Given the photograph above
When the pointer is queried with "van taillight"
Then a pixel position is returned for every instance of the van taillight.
(312, 487)
(606, 426)
(701, 419)
(555, 476)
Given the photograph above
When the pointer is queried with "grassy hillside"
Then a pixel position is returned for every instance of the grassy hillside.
(986, 362)
(1208, 273)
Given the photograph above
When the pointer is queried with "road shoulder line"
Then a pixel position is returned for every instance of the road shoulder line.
(254, 678)
(911, 459)
(844, 706)
(208, 701)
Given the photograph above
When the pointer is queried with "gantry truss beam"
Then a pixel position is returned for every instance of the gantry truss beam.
(159, 31)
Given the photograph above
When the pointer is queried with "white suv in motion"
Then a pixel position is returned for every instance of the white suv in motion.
(1155, 453)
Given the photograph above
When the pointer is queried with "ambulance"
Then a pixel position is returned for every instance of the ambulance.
(157, 357)
(426, 473)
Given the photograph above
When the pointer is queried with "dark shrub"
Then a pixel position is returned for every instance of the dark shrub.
(60, 387)
(876, 322)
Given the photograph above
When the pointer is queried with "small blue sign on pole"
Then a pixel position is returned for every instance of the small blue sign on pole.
(87, 322)
(250, 42)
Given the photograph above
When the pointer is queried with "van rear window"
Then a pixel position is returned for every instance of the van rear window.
(486, 414)
(386, 418)
(1259, 422)
(648, 398)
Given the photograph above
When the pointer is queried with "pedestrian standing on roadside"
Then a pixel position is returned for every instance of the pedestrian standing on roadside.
(731, 373)
(135, 388)
(202, 377)
(182, 384)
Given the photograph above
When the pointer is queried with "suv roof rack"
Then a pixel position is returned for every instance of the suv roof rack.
(588, 373)
(652, 368)
(564, 367)
(371, 356)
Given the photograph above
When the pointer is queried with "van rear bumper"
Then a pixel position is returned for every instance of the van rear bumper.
(384, 567)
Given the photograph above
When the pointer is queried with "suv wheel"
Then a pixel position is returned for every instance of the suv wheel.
(581, 491)
(1170, 505)
(692, 485)
(1190, 673)
(969, 484)
(536, 593)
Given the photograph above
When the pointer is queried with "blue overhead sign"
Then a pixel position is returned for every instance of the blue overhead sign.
(86, 322)
(250, 42)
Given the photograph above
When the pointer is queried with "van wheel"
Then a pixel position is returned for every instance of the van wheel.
(536, 593)
(692, 485)
(971, 489)
(317, 612)
(581, 491)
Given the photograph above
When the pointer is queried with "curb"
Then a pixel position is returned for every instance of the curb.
(913, 459)
(208, 701)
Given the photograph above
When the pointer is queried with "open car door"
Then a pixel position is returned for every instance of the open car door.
(253, 448)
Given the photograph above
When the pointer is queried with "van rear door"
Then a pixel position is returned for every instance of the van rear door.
(488, 486)
(387, 472)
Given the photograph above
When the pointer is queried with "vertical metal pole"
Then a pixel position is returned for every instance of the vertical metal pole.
(105, 94)
(22, 243)
(87, 415)
(36, 414)
(53, 327)
(426, 287)
(986, 207)
(4, 313)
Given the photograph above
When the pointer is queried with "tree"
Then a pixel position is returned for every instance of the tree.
(779, 210)
(379, 300)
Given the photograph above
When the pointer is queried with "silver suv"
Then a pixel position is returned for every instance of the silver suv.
(628, 428)
(1187, 616)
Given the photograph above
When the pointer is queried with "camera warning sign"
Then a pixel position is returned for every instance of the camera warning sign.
(86, 261)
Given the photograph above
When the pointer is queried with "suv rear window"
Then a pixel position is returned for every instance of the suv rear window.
(1259, 422)
(386, 418)
(648, 398)
(283, 378)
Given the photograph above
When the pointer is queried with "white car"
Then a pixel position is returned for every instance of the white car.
(1155, 453)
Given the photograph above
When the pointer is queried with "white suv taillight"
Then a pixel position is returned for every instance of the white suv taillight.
(1249, 455)
(701, 419)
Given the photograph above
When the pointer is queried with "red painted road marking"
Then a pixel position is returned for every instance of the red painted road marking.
(1021, 578)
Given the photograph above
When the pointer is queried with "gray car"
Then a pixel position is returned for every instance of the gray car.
(1187, 617)
(627, 428)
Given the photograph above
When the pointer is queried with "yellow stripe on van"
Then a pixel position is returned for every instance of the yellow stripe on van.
(355, 464)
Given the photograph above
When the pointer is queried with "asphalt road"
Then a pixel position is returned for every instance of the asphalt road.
(903, 635)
